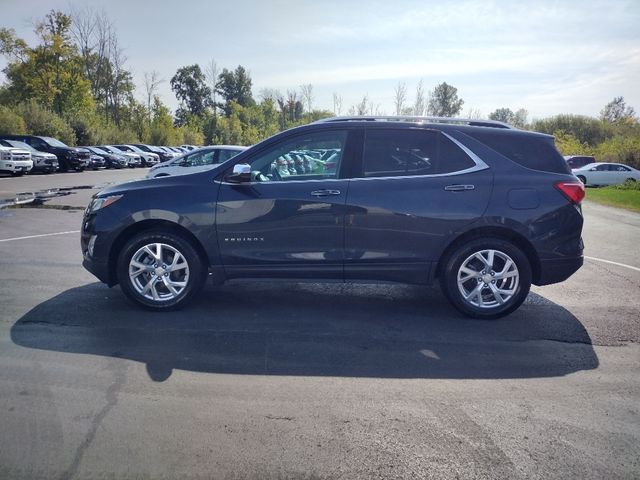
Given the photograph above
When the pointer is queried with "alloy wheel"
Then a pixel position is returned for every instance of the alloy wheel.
(158, 272)
(488, 278)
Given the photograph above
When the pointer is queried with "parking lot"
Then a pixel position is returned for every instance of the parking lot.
(305, 380)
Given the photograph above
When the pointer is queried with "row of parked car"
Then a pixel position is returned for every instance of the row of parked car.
(20, 154)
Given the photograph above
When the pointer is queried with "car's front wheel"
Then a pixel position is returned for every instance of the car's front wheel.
(486, 278)
(583, 179)
(160, 270)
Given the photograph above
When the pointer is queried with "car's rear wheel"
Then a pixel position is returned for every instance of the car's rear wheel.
(486, 278)
(160, 270)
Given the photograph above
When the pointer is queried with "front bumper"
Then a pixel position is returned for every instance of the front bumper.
(100, 270)
(16, 166)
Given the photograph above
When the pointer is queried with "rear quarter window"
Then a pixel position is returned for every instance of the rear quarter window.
(530, 151)
(408, 152)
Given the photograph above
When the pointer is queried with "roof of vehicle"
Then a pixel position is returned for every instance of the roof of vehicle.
(441, 123)
(225, 147)
(419, 119)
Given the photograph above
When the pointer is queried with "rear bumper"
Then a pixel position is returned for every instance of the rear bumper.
(558, 270)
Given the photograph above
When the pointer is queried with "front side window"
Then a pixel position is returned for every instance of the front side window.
(311, 156)
(389, 153)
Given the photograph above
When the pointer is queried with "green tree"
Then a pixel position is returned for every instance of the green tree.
(587, 130)
(42, 121)
(568, 144)
(162, 131)
(444, 101)
(506, 115)
(49, 73)
(622, 148)
(190, 87)
(235, 86)
(520, 118)
(617, 110)
(11, 122)
(502, 115)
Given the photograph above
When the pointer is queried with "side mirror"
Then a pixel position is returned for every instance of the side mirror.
(593, 169)
(241, 173)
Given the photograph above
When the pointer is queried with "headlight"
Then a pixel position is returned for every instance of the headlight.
(103, 202)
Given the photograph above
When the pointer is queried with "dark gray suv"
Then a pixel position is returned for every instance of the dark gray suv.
(483, 208)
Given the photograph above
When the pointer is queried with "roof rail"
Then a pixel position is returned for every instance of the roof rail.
(415, 119)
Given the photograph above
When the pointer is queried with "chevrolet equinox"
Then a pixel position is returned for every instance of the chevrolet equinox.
(484, 209)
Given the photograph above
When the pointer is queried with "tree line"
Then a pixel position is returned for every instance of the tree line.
(75, 84)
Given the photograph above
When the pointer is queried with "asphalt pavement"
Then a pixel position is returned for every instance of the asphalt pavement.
(307, 380)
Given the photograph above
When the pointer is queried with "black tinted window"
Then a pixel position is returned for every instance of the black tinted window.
(535, 152)
(411, 152)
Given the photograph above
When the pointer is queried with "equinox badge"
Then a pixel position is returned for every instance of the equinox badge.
(244, 239)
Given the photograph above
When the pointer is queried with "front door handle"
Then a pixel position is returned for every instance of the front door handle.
(459, 188)
(325, 193)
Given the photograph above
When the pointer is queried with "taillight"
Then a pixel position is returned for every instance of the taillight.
(574, 191)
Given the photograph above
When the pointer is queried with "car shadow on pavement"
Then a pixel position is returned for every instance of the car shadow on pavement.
(384, 331)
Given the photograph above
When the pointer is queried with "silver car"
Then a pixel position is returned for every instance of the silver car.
(600, 173)
(195, 161)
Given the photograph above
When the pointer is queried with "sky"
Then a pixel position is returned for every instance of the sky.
(548, 57)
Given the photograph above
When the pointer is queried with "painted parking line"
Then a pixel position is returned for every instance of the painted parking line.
(38, 236)
(613, 263)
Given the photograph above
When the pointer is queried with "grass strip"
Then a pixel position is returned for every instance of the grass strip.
(621, 196)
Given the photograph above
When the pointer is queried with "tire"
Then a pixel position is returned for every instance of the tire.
(147, 286)
(582, 179)
(464, 273)
(17, 174)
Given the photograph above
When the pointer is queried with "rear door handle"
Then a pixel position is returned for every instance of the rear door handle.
(459, 188)
(325, 193)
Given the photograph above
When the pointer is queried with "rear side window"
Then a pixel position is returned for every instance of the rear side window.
(536, 153)
(225, 155)
(390, 153)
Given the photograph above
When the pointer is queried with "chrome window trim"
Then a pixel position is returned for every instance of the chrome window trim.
(278, 182)
(479, 166)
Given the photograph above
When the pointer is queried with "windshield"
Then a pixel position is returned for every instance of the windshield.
(54, 142)
(115, 149)
(17, 144)
(135, 149)
(97, 149)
